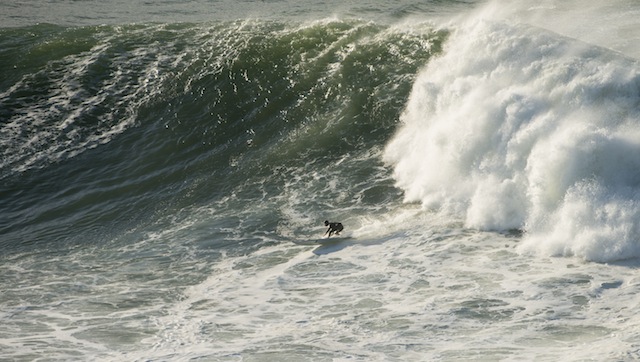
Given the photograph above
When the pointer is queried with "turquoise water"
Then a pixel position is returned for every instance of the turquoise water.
(162, 163)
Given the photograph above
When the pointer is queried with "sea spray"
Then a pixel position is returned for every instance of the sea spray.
(515, 127)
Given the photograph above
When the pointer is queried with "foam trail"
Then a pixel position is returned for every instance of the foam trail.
(518, 127)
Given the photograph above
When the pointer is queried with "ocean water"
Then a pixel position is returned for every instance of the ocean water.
(166, 164)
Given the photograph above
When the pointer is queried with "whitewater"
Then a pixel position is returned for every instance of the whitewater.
(166, 168)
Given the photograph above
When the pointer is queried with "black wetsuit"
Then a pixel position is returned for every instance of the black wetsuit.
(334, 227)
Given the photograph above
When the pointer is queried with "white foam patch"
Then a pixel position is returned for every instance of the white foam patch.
(432, 293)
(408, 285)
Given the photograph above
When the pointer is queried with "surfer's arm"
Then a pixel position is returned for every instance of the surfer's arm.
(329, 231)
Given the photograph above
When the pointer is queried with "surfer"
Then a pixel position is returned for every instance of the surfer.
(334, 227)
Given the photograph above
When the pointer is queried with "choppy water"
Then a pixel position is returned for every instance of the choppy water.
(159, 162)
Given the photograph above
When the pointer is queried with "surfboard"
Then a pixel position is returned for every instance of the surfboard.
(322, 241)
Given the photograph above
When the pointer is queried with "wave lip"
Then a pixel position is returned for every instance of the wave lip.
(515, 127)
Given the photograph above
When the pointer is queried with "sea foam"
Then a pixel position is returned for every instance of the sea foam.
(517, 127)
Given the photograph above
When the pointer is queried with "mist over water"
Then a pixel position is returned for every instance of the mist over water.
(607, 24)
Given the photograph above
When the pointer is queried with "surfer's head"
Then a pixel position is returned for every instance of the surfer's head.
(326, 222)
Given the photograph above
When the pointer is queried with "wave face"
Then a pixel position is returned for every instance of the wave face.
(515, 127)
(104, 126)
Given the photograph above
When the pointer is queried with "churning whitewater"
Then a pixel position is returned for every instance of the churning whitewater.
(167, 168)
(534, 132)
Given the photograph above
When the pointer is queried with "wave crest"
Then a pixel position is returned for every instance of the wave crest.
(517, 127)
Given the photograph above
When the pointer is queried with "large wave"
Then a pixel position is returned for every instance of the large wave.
(108, 125)
(516, 127)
